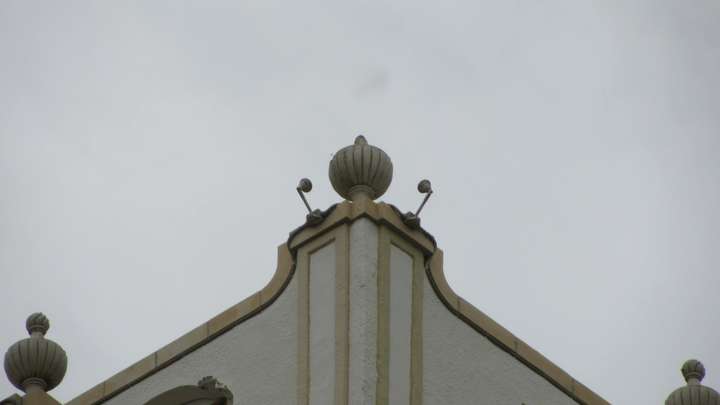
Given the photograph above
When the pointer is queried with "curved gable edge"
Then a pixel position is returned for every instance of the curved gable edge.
(197, 337)
(345, 212)
(503, 338)
(336, 215)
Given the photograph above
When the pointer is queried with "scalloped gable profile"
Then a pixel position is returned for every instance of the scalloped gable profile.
(358, 311)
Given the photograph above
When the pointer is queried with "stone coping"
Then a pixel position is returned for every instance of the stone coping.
(347, 211)
(344, 212)
(31, 398)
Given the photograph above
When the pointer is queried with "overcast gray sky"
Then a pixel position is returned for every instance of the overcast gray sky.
(148, 148)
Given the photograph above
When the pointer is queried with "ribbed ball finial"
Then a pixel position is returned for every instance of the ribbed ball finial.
(361, 170)
(36, 362)
(693, 393)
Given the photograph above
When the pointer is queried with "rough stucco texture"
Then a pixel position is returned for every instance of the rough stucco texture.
(462, 367)
(363, 311)
(257, 360)
(401, 278)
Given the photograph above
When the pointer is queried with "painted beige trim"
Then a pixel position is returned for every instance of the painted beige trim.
(416, 359)
(386, 240)
(342, 316)
(416, 353)
(340, 238)
(39, 398)
(193, 339)
(345, 213)
(506, 340)
(303, 333)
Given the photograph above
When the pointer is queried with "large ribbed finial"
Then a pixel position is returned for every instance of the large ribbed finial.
(693, 393)
(361, 170)
(36, 362)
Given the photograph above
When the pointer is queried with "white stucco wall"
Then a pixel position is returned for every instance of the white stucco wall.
(257, 360)
(400, 316)
(462, 367)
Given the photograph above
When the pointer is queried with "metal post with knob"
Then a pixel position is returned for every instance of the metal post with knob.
(412, 220)
(313, 217)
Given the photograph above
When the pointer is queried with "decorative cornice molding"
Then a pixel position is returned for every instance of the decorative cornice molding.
(349, 211)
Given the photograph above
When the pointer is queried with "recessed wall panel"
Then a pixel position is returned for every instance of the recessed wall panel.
(322, 279)
(400, 325)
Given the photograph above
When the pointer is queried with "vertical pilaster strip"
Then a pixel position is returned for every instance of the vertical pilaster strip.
(342, 314)
(388, 240)
(339, 238)
(362, 370)
(383, 317)
(303, 380)
(323, 314)
(416, 359)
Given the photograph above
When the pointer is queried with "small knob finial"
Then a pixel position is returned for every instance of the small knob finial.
(37, 322)
(693, 370)
(305, 185)
(424, 186)
(693, 393)
(360, 140)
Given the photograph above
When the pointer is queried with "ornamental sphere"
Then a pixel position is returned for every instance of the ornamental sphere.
(360, 170)
(36, 361)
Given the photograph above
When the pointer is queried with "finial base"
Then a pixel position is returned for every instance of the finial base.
(360, 192)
